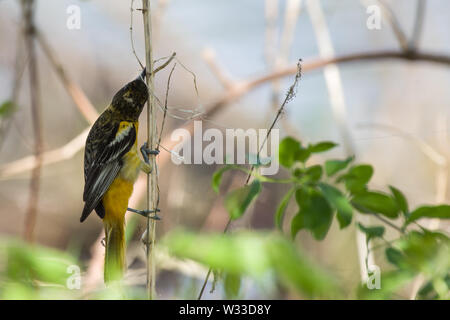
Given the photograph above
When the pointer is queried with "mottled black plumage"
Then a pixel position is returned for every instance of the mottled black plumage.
(104, 150)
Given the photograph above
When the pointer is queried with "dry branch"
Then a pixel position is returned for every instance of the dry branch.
(241, 88)
(152, 188)
(31, 215)
(79, 98)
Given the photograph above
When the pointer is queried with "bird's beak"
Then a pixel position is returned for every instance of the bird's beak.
(142, 75)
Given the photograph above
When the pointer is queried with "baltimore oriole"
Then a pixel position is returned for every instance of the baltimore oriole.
(111, 166)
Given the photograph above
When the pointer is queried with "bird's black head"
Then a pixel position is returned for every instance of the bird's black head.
(129, 101)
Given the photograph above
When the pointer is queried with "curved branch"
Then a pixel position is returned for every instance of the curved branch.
(240, 89)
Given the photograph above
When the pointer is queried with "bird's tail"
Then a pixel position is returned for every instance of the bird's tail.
(115, 249)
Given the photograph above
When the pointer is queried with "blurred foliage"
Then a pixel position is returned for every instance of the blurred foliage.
(35, 272)
(341, 191)
(322, 192)
(254, 254)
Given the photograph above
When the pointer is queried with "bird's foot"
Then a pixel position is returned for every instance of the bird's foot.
(145, 213)
(146, 152)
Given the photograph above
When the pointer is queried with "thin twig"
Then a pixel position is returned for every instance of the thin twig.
(388, 223)
(395, 24)
(165, 106)
(31, 215)
(152, 189)
(244, 87)
(289, 96)
(76, 93)
(418, 25)
(19, 68)
(131, 35)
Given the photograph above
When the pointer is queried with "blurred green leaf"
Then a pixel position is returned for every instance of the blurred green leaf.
(357, 178)
(254, 254)
(282, 208)
(232, 285)
(314, 172)
(440, 211)
(237, 201)
(400, 199)
(334, 166)
(375, 202)
(394, 256)
(7, 108)
(390, 283)
(339, 202)
(217, 176)
(289, 147)
(315, 214)
(372, 232)
(322, 146)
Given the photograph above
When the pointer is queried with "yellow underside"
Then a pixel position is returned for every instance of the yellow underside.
(115, 202)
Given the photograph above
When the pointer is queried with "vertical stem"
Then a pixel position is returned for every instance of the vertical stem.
(29, 31)
(152, 194)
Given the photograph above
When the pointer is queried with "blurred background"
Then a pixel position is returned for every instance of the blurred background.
(391, 113)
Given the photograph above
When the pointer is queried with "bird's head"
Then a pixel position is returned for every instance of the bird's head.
(129, 101)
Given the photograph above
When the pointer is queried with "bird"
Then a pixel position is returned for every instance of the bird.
(111, 166)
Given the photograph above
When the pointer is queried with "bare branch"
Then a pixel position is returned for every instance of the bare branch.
(243, 87)
(31, 215)
(152, 189)
(76, 93)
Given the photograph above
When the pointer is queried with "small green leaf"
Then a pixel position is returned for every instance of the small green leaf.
(322, 146)
(441, 212)
(357, 178)
(339, 202)
(315, 214)
(314, 172)
(400, 199)
(237, 201)
(394, 256)
(232, 285)
(302, 154)
(217, 176)
(7, 108)
(289, 147)
(334, 166)
(282, 208)
(375, 202)
(372, 232)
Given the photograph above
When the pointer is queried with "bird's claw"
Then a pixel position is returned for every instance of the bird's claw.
(145, 213)
(146, 152)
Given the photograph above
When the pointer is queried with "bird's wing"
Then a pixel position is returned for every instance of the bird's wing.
(104, 165)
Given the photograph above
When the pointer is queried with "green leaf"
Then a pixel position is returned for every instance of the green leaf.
(232, 285)
(237, 201)
(217, 176)
(375, 202)
(298, 272)
(357, 178)
(289, 147)
(441, 212)
(253, 254)
(394, 256)
(282, 208)
(339, 202)
(322, 146)
(7, 108)
(334, 166)
(390, 283)
(372, 232)
(314, 172)
(302, 154)
(400, 199)
(315, 214)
